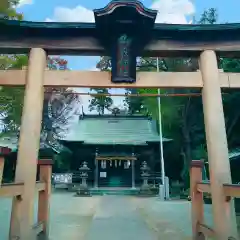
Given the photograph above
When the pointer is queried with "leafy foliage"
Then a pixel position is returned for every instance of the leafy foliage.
(182, 116)
(11, 99)
(100, 103)
(8, 11)
(60, 104)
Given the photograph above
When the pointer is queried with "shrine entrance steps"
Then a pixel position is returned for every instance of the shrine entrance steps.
(117, 191)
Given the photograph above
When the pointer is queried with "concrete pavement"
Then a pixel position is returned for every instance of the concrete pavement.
(117, 218)
(112, 218)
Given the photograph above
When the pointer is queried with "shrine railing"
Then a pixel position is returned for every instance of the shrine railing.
(16, 191)
(201, 230)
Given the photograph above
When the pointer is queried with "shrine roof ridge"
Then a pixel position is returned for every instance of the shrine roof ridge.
(91, 25)
(112, 5)
(117, 116)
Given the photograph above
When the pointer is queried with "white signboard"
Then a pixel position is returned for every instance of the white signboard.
(103, 174)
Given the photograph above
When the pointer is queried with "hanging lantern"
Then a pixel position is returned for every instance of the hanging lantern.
(119, 163)
(110, 163)
(116, 163)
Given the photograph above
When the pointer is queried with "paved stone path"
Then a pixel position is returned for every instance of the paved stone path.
(112, 218)
(171, 220)
(70, 217)
(118, 218)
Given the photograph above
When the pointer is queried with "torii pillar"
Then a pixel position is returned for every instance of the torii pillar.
(26, 169)
(217, 147)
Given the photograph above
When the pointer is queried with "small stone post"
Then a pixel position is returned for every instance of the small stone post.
(196, 196)
(44, 196)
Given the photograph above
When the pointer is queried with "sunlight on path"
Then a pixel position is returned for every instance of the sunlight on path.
(112, 218)
(71, 216)
(171, 220)
(116, 219)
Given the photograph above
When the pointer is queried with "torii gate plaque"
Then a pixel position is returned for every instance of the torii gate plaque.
(124, 28)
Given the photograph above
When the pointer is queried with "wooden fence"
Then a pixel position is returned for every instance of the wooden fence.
(198, 187)
(15, 190)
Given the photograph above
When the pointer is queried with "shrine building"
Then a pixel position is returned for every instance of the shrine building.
(114, 147)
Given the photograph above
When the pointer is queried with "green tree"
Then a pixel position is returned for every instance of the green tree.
(182, 116)
(100, 102)
(231, 101)
(104, 64)
(133, 104)
(60, 104)
(8, 10)
(11, 98)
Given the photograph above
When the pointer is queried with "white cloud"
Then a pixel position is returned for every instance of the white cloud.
(77, 14)
(94, 69)
(173, 11)
(169, 11)
(24, 2)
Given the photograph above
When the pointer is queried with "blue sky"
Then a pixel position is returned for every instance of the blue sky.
(170, 11)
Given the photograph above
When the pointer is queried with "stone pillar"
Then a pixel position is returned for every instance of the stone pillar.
(26, 169)
(44, 196)
(219, 166)
(197, 208)
(133, 173)
(167, 189)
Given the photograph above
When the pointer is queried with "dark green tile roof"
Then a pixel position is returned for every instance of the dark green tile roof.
(114, 130)
(234, 154)
(12, 143)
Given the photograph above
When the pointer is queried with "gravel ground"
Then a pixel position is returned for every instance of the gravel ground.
(112, 218)
(171, 220)
(117, 218)
(70, 217)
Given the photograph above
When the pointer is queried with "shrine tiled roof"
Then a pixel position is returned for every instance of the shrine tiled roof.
(234, 154)
(12, 143)
(108, 129)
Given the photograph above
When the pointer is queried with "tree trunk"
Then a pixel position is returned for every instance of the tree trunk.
(187, 153)
(231, 126)
(186, 148)
(102, 110)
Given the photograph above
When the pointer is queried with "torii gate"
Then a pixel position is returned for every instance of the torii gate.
(122, 30)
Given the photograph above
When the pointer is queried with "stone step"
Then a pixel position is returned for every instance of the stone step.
(114, 192)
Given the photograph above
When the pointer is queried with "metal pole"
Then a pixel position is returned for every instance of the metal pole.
(161, 138)
(96, 169)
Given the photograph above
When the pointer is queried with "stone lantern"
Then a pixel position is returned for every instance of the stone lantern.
(145, 173)
(83, 189)
(145, 188)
